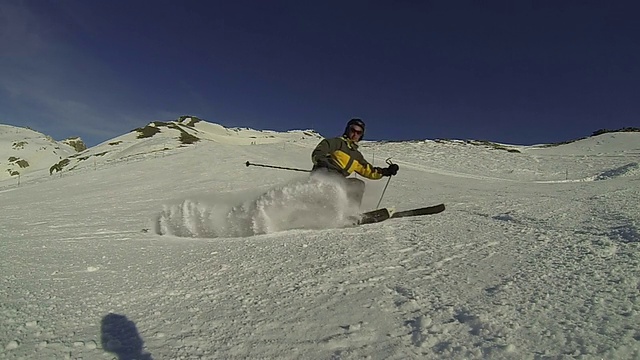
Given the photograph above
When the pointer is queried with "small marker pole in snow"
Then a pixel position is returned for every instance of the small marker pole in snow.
(388, 161)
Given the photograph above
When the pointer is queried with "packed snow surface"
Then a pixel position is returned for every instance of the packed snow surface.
(186, 253)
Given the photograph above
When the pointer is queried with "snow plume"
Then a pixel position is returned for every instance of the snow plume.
(318, 202)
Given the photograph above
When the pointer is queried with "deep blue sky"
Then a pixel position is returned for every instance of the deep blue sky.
(517, 72)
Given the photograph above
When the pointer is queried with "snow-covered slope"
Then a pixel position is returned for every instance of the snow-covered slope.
(24, 151)
(611, 143)
(158, 138)
(523, 264)
(477, 160)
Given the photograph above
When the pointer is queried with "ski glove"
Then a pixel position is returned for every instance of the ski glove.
(391, 170)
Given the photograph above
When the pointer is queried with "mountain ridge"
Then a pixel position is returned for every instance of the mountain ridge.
(25, 151)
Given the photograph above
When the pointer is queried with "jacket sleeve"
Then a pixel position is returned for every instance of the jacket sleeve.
(321, 153)
(367, 170)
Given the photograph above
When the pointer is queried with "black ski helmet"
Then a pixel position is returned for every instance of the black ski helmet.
(354, 121)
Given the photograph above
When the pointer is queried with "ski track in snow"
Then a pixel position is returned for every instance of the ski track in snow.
(511, 270)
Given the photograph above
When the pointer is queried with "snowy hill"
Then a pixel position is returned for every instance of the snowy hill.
(482, 160)
(158, 138)
(610, 143)
(24, 151)
(31, 153)
(156, 248)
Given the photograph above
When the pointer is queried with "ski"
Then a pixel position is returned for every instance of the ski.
(429, 210)
(375, 216)
(383, 214)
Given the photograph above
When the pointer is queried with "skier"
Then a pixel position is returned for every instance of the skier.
(340, 156)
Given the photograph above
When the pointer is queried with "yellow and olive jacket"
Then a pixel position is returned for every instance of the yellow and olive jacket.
(340, 154)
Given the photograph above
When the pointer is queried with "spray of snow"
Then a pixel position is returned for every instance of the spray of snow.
(318, 202)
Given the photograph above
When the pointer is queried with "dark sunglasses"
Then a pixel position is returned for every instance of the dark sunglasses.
(355, 130)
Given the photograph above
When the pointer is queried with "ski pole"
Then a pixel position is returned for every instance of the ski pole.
(388, 161)
(276, 167)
